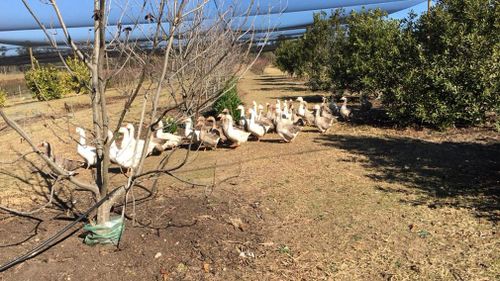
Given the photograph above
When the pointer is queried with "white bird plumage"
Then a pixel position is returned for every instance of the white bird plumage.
(171, 140)
(236, 136)
(344, 111)
(131, 149)
(258, 130)
(87, 152)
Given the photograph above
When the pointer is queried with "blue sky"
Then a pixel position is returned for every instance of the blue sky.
(15, 20)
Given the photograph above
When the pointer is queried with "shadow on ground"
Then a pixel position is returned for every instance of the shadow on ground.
(375, 117)
(283, 89)
(309, 99)
(455, 174)
(267, 78)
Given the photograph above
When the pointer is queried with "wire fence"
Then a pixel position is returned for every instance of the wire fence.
(15, 88)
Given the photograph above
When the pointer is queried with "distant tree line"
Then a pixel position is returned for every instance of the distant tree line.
(440, 69)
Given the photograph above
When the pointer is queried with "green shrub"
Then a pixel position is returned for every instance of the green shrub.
(169, 125)
(316, 48)
(229, 100)
(288, 57)
(46, 83)
(3, 97)
(449, 73)
(78, 80)
(368, 49)
(441, 69)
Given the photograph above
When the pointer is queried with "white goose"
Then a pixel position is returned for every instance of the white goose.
(258, 130)
(133, 139)
(243, 120)
(286, 111)
(254, 103)
(171, 140)
(188, 127)
(303, 112)
(131, 149)
(278, 105)
(87, 152)
(323, 123)
(325, 111)
(269, 112)
(236, 136)
(344, 111)
(264, 120)
(260, 110)
(285, 128)
(114, 151)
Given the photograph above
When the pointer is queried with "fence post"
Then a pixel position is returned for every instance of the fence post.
(30, 50)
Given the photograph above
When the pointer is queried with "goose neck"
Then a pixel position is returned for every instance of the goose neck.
(252, 117)
(126, 137)
(82, 137)
(132, 132)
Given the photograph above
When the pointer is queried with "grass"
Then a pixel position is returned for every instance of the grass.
(364, 202)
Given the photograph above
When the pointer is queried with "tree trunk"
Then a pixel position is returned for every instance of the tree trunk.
(99, 111)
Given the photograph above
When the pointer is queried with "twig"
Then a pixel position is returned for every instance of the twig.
(21, 213)
(17, 159)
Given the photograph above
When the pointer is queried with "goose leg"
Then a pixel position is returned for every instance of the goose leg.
(126, 172)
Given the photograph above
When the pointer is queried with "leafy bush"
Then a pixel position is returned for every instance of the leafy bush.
(453, 77)
(367, 50)
(289, 57)
(229, 100)
(45, 83)
(342, 51)
(169, 125)
(78, 79)
(316, 47)
(3, 97)
(441, 69)
(48, 82)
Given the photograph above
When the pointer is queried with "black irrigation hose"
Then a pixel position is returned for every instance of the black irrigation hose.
(46, 244)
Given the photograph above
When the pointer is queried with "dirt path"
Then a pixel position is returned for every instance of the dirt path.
(360, 203)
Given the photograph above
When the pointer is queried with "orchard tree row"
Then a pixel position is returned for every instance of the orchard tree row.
(440, 69)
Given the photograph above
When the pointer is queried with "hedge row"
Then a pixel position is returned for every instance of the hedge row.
(441, 69)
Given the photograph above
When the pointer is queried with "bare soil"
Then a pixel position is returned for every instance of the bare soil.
(363, 202)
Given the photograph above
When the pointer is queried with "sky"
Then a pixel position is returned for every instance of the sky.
(17, 26)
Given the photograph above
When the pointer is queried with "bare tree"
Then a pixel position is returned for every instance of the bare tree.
(184, 61)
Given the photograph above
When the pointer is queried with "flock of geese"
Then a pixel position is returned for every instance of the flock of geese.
(282, 118)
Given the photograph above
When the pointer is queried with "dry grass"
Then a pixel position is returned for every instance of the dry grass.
(361, 203)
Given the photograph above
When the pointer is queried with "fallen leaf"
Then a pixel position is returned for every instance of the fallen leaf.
(237, 223)
(206, 267)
